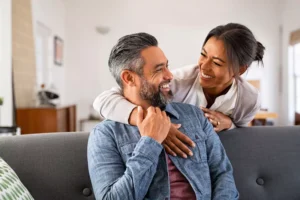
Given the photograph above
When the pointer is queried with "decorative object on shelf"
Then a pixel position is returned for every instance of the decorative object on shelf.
(47, 97)
(58, 50)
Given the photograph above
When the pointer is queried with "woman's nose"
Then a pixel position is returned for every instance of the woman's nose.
(205, 64)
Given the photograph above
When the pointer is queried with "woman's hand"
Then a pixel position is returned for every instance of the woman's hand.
(175, 143)
(219, 120)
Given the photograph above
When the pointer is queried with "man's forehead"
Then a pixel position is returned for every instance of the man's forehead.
(154, 56)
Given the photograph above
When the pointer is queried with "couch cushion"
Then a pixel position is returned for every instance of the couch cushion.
(52, 166)
(266, 161)
(10, 185)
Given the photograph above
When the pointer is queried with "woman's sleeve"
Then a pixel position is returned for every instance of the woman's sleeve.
(247, 115)
(112, 105)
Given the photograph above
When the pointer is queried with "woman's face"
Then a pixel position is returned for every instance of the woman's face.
(214, 71)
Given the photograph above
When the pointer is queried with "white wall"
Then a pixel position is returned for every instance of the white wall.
(5, 63)
(180, 27)
(52, 14)
(290, 23)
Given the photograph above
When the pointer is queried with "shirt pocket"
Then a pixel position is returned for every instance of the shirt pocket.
(199, 151)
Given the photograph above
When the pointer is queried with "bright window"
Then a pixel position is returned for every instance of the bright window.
(297, 76)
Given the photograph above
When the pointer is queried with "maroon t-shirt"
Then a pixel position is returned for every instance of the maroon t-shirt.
(180, 187)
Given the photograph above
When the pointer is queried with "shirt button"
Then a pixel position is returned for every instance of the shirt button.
(87, 192)
(260, 181)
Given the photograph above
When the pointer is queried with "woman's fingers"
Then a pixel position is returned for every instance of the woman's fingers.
(168, 150)
(174, 147)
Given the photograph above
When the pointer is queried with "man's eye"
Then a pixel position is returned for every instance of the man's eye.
(203, 54)
(158, 70)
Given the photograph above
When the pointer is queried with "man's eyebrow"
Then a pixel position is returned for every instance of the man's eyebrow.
(214, 56)
(161, 64)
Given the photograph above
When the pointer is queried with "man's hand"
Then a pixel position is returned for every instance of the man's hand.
(156, 124)
(175, 142)
(218, 119)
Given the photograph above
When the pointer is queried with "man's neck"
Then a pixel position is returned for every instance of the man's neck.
(134, 98)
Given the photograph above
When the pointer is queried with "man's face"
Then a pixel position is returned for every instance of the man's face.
(155, 82)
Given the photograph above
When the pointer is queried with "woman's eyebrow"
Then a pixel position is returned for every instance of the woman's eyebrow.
(214, 56)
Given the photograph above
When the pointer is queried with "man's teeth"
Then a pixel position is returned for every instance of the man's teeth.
(165, 86)
(205, 76)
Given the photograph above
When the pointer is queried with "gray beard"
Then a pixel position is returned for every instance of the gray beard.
(154, 96)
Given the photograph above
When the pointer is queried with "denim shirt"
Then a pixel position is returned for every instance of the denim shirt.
(127, 166)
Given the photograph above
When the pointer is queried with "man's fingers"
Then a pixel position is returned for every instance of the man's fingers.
(183, 138)
(168, 150)
(150, 110)
(157, 110)
(177, 126)
(140, 115)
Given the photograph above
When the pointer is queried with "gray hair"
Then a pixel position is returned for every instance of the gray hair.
(126, 54)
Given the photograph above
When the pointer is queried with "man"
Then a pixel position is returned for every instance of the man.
(128, 162)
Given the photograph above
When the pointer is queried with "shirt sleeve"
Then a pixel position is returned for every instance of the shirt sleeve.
(249, 116)
(221, 171)
(111, 178)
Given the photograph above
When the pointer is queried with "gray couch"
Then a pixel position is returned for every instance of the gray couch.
(266, 163)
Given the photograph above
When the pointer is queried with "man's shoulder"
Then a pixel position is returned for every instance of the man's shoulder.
(107, 127)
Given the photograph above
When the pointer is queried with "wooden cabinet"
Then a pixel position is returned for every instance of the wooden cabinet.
(46, 120)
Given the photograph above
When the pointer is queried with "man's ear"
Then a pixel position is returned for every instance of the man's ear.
(128, 78)
(243, 69)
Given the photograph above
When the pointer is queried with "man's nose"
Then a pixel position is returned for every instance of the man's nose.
(168, 74)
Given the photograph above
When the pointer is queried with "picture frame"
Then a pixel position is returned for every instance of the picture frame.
(58, 51)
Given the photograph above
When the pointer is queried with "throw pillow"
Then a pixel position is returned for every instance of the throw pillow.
(11, 188)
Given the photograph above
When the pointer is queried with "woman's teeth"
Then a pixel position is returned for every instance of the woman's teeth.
(205, 76)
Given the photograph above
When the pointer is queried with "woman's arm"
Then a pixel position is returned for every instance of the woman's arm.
(112, 105)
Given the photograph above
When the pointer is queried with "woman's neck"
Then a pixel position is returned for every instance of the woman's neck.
(212, 93)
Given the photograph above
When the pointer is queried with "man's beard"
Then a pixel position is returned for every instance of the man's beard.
(153, 95)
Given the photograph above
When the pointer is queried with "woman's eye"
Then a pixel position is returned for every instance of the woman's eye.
(202, 54)
(217, 64)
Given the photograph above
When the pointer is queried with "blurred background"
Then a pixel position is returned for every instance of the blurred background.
(62, 46)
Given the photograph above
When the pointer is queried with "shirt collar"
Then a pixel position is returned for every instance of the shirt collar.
(170, 110)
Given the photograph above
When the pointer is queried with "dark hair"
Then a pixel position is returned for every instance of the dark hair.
(126, 54)
(241, 46)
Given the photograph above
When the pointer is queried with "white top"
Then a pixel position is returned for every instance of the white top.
(240, 103)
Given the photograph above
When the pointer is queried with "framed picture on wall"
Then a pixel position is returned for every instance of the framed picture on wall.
(58, 51)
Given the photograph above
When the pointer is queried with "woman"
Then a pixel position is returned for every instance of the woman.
(214, 84)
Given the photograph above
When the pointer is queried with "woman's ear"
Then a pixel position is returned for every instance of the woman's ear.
(128, 77)
(243, 69)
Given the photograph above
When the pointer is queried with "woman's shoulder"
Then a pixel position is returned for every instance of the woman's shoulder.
(248, 97)
(244, 87)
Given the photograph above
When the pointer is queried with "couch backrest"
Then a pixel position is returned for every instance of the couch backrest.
(52, 166)
(266, 162)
